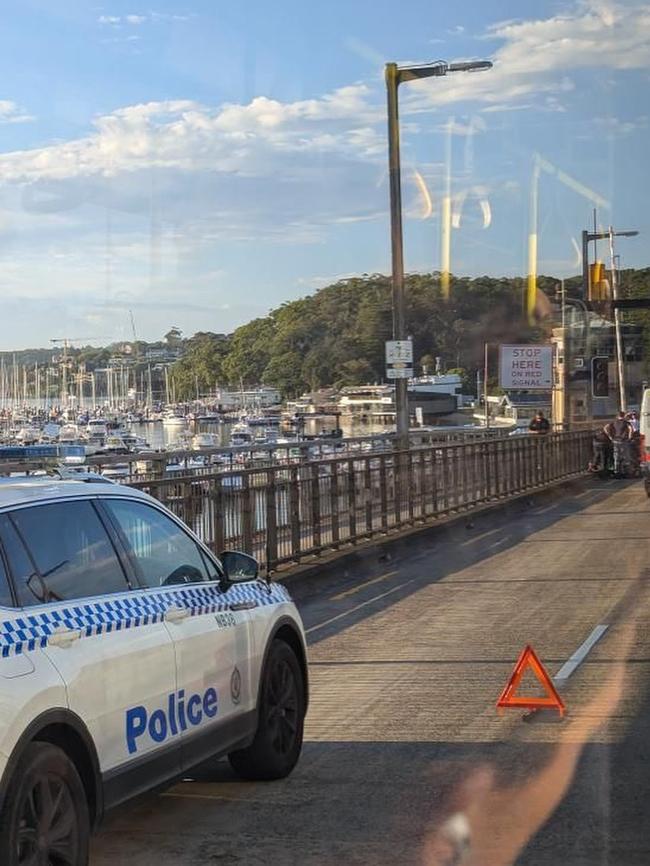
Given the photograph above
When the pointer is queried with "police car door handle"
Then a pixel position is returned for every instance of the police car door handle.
(64, 637)
(243, 605)
(176, 614)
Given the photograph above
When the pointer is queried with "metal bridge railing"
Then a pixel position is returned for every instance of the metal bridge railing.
(284, 514)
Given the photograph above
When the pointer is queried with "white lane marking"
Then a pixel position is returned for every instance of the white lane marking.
(361, 586)
(481, 536)
(580, 654)
(359, 606)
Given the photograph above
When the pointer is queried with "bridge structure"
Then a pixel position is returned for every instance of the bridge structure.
(416, 613)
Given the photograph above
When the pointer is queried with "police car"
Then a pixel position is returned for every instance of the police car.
(128, 654)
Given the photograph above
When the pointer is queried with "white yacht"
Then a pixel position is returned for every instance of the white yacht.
(174, 418)
(241, 434)
(205, 440)
(97, 429)
(69, 434)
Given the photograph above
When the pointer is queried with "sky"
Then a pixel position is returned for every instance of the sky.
(200, 163)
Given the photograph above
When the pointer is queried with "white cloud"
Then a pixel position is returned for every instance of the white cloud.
(185, 135)
(135, 19)
(539, 56)
(12, 113)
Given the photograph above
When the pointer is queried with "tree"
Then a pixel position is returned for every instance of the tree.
(249, 352)
(173, 337)
(357, 371)
(201, 367)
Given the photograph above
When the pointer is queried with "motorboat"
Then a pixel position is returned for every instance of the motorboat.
(69, 434)
(241, 434)
(97, 428)
(174, 418)
(205, 440)
(28, 435)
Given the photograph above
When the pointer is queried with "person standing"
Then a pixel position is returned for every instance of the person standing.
(619, 433)
(539, 424)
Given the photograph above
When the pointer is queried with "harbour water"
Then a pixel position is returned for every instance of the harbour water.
(160, 436)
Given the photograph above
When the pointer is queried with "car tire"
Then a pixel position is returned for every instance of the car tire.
(278, 741)
(45, 812)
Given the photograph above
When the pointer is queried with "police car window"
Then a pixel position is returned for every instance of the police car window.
(72, 554)
(163, 553)
(5, 593)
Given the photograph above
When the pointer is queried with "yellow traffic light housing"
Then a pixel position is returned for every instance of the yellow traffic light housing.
(598, 283)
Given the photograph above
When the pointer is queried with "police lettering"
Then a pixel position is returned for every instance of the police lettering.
(162, 724)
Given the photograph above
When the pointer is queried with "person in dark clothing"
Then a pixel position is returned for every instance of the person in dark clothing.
(539, 424)
(618, 430)
(600, 455)
(619, 433)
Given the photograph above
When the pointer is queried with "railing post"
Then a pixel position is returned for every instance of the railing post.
(445, 478)
(383, 493)
(368, 495)
(315, 508)
(247, 514)
(352, 499)
(218, 517)
(464, 451)
(294, 512)
(334, 500)
(488, 470)
(271, 522)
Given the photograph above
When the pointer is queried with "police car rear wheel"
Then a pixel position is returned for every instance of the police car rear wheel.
(45, 820)
(278, 741)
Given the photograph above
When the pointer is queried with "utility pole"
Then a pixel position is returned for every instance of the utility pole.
(566, 355)
(485, 385)
(620, 359)
(397, 247)
(395, 75)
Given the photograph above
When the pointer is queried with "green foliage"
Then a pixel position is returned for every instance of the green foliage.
(337, 336)
(636, 284)
(249, 353)
(201, 367)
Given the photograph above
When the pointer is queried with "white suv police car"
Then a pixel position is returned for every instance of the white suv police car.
(128, 654)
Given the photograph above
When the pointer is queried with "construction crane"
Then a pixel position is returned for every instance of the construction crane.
(65, 362)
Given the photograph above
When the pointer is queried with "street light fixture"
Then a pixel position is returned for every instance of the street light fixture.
(395, 75)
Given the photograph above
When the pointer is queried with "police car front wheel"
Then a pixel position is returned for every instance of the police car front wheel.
(276, 748)
(45, 819)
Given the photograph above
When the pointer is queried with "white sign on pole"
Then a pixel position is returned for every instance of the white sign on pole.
(399, 373)
(399, 350)
(526, 368)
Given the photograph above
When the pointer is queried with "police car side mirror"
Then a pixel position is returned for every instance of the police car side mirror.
(239, 566)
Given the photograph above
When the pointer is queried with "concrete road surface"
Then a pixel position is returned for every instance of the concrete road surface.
(406, 760)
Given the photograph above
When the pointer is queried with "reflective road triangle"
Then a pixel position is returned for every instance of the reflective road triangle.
(552, 700)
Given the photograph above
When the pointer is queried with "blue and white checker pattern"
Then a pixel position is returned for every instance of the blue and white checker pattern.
(29, 631)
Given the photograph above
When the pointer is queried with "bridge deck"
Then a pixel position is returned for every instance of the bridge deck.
(408, 657)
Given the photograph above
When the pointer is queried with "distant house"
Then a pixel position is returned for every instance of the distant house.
(518, 408)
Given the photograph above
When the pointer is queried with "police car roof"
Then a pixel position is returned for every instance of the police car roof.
(21, 490)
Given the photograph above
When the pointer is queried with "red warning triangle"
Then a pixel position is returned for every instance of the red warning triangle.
(530, 659)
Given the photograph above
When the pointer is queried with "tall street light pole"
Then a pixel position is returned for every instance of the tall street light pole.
(395, 75)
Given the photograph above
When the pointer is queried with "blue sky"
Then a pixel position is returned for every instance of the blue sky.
(201, 163)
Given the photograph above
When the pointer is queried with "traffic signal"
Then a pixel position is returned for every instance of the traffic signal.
(600, 377)
(598, 282)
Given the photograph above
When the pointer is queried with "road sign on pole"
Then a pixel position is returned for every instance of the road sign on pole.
(527, 368)
(399, 351)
